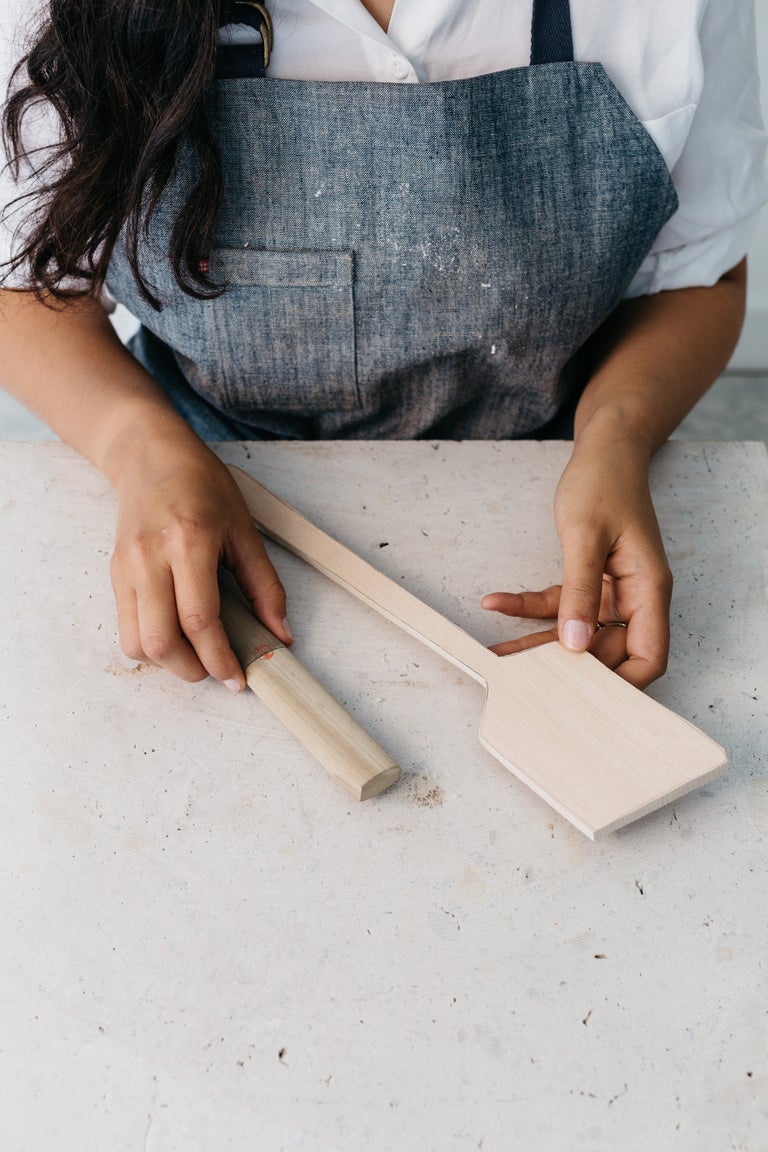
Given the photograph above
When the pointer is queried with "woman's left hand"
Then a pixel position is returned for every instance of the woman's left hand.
(614, 567)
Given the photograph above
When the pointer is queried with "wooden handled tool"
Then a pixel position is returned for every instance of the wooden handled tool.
(600, 751)
(314, 716)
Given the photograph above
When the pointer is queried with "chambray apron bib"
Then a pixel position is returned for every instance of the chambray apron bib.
(404, 260)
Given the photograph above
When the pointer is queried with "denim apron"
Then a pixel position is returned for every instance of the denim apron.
(403, 260)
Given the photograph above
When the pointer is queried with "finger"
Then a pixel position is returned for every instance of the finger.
(533, 640)
(256, 575)
(609, 609)
(647, 643)
(609, 645)
(198, 606)
(583, 564)
(128, 622)
(160, 631)
(529, 605)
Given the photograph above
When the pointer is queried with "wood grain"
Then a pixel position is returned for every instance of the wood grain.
(306, 708)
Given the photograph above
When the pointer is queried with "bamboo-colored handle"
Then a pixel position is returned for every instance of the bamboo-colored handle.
(307, 709)
(251, 640)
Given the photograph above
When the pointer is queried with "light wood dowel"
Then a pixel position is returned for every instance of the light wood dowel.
(306, 708)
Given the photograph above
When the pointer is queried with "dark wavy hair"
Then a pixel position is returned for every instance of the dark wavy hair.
(127, 80)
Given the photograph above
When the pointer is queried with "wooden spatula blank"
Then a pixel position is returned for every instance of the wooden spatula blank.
(601, 752)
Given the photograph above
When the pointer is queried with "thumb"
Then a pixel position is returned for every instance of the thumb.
(261, 584)
(583, 566)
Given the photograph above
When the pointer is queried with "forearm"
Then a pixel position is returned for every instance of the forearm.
(656, 357)
(180, 513)
(69, 367)
(649, 364)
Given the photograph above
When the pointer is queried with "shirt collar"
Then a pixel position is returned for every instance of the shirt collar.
(355, 16)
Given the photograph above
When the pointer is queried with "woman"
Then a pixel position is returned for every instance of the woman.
(425, 220)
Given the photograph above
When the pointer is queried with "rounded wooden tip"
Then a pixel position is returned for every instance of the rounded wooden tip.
(380, 783)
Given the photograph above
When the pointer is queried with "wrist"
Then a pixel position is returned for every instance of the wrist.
(614, 429)
(144, 433)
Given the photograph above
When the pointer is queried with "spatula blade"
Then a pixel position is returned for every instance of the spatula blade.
(595, 748)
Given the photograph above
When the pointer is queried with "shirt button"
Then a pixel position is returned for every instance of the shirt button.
(400, 68)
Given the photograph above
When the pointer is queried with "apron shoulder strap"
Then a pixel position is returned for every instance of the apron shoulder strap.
(245, 60)
(551, 39)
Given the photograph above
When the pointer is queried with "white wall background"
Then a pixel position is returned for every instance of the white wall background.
(752, 352)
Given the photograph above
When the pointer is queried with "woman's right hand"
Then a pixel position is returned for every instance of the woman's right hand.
(181, 515)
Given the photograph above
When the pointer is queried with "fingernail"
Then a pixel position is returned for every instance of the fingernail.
(233, 685)
(576, 634)
(287, 629)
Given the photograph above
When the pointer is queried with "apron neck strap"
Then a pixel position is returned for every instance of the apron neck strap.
(245, 60)
(551, 39)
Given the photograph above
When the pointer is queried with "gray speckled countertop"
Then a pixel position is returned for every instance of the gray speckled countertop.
(205, 944)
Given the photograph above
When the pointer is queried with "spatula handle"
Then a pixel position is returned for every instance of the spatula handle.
(289, 528)
(306, 708)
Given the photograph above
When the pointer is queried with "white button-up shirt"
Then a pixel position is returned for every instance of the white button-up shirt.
(687, 68)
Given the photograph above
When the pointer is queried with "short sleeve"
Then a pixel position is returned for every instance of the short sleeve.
(720, 175)
(17, 197)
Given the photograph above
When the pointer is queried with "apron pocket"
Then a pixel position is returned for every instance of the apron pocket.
(284, 330)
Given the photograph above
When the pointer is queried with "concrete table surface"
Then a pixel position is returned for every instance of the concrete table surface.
(206, 945)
